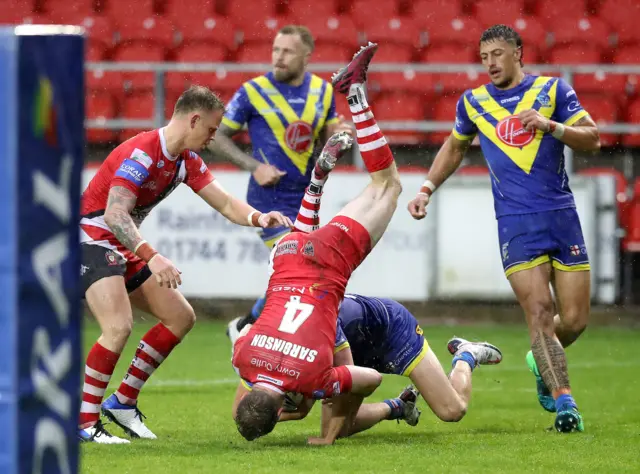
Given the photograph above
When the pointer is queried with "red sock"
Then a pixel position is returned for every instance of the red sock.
(155, 346)
(97, 372)
(308, 218)
(373, 146)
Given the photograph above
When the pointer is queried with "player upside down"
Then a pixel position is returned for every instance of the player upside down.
(290, 347)
(381, 334)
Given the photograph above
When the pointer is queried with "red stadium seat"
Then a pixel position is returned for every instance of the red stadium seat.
(534, 37)
(624, 17)
(177, 81)
(335, 29)
(223, 82)
(491, 12)
(422, 84)
(304, 11)
(363, 11)
(121, 13)
(140, 52)
(261, 29)
(456, 83)
(459, 31)
(575, 54)
(152, 30)
(426, 12)
(444, 111)
(603, 112)
(331, 53)
(449, 53)
(138, 106)
(94, 52)
(627, 55)
(99, 31)
(205, 30)
(581, 31)
(100, 105)
(12, 12)
(180, 12)
(68, 11)
(250, 19)
(111, 82)
(551, 10)
(400, 107)
(633, 116)
(399, 39)
(255, 53)
(613, 85)
(202, 53)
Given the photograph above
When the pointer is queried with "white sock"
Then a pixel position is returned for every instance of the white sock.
(357, 98)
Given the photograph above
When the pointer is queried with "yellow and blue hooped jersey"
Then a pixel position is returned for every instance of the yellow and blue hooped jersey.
(284, 123)
(526, 167)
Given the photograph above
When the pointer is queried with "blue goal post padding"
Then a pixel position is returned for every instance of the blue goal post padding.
(41, 156)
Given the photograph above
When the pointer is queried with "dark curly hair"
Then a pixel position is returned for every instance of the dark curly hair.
(505, 33)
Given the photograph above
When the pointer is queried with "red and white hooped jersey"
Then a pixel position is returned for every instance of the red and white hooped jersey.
(143, 165)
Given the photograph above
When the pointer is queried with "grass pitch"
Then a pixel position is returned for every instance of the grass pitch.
(188, 405)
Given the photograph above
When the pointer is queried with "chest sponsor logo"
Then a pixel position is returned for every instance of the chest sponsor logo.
(544, 100)
(511, 132)
(299, 136)
(515, 98)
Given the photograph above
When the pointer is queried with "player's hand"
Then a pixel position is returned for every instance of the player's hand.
(533, 120)
(344, 126)
(418, 206)
(274, 219)
(165, 272)
(267, 175)
(319, 442)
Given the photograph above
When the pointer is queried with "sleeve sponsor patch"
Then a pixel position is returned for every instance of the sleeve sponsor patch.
(133, 171)
(141, 157)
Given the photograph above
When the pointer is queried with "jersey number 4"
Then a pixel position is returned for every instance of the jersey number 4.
(296, 314)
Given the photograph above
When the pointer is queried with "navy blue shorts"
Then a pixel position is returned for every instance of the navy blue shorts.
(529, 240)
(399, 351)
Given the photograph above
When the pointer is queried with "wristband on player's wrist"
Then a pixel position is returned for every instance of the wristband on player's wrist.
(556, 129)
(427, 188)
(145, 251)
(254, 218)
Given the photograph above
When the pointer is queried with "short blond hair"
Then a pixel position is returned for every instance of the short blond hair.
(302, 31)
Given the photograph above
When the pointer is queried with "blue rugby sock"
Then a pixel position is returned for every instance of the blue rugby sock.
(466, 357)
(565, 400)
(397, 408)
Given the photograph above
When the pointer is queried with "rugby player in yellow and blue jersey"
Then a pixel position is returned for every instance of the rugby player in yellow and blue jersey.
(523, 123)
(288, 112)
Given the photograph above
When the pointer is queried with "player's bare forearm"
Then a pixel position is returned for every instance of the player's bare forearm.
(120, 203)
(582, 136)
(447, 160)
(303, 410)
(230, 207)
(224, 147)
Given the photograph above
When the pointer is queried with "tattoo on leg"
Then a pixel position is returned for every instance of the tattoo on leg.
(551, 360)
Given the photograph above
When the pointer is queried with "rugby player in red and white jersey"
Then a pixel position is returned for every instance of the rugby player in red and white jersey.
(117, 262)
(290, 347)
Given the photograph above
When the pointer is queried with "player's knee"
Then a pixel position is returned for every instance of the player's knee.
(187, 317)
(574, 321)
(118, 330)
(541, 314)
(452, 412)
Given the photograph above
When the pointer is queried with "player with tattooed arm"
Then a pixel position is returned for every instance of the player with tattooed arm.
(524, 123)
(117, 263)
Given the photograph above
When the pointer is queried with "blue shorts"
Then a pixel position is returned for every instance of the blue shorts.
(529, 240)
(271, 235)
(398, 352)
